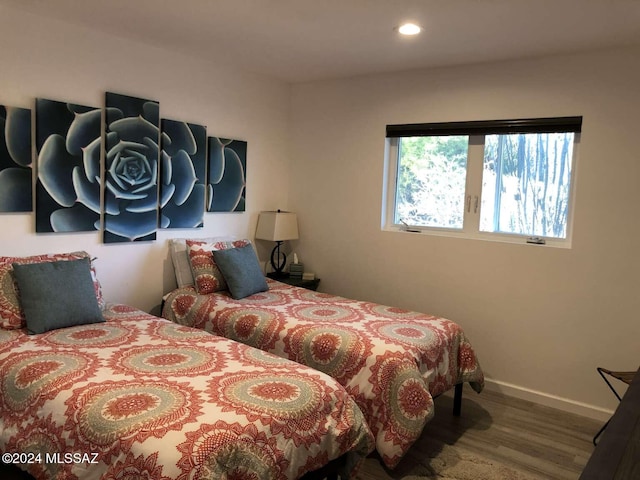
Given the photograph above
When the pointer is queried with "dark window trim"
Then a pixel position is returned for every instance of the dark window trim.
(487, 127)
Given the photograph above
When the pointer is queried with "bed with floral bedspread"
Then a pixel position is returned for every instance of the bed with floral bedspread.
(141, 397)
(393, 362)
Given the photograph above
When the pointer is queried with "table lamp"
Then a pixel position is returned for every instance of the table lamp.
(277, 226)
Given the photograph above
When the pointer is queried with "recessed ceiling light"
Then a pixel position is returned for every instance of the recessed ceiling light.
(409, 29)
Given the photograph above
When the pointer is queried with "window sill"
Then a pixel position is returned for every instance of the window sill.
(487, 237)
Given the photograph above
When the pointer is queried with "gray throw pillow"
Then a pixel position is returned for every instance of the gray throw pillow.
(241, 270)
(57, 294)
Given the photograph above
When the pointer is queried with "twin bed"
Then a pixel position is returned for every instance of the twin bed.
(135, 396)
(393, 362)
(292, 383)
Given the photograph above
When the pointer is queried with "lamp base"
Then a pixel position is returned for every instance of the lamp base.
(278, 260)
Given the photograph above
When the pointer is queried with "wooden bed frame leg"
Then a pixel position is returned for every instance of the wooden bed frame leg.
(457, 400)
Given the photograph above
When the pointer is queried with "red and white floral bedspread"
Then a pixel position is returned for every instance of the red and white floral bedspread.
(392, 361)
(142, 397)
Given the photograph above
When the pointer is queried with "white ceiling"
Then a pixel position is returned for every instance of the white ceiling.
(305, 40)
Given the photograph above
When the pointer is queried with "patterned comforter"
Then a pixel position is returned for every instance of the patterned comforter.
(142, 397)
(392, 361)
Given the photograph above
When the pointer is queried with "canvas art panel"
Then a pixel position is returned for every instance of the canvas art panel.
(132, 133)
(68, 146)
(227, 178)
(15, 160)
(183, 160)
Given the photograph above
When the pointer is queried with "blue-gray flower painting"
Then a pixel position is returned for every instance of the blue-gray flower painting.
(227, 177)
(15, 160)
(131, 169)
(182, 174)
(68, 146)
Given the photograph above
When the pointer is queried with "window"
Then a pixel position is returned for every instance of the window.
(505, 180)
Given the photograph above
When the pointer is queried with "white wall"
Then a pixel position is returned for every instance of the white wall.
(49, 59)
(540, 318)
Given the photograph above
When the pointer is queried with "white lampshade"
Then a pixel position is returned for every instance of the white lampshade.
(277, 226)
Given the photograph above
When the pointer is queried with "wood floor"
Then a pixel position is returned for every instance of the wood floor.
(543, 442)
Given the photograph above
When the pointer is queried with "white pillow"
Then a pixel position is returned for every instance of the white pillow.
(180, 258)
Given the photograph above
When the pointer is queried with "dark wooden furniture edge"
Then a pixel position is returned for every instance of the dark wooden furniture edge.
(617, 455)
(285, 277)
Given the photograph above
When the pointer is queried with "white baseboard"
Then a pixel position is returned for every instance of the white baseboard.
(553, 401)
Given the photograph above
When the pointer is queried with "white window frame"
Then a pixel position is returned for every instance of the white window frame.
(473, 188)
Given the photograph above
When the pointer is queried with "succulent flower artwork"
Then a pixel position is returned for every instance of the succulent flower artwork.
(125, 172)
(15, 160)
(182, 174)
(68, 145)
(227, 178)
(131, 169)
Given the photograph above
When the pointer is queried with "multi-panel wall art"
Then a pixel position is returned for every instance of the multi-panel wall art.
(128, 176)
(15, 160)
(227, 175)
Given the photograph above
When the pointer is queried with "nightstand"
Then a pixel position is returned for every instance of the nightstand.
(296, 282)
